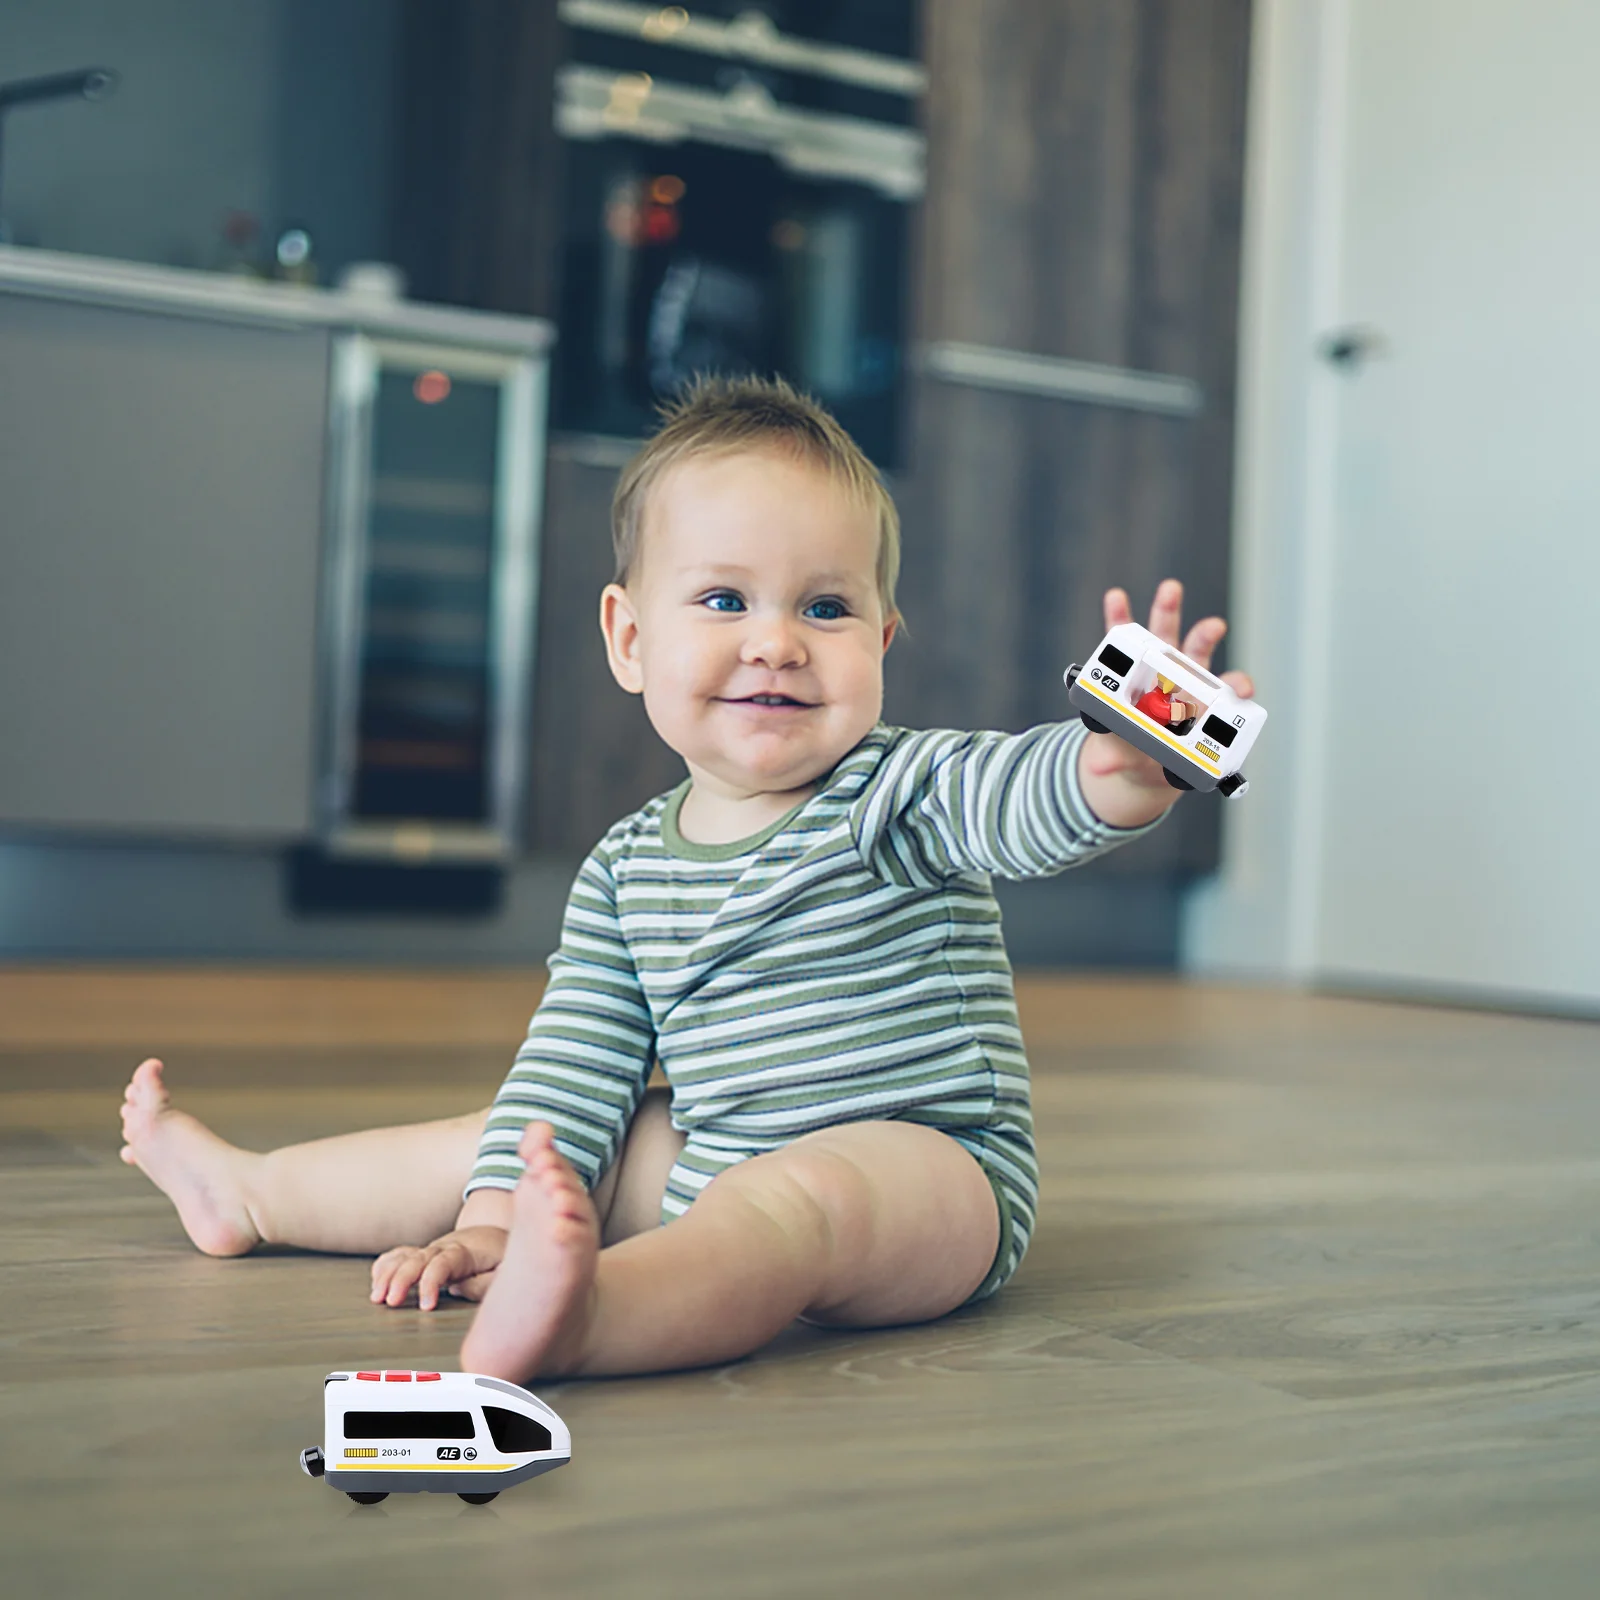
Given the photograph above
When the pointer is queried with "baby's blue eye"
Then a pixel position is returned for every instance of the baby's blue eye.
(826, 610)
(724, 600)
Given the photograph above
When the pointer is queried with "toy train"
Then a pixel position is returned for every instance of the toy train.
(440, 1432)
(1140, 688)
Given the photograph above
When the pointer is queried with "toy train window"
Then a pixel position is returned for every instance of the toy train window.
(1199, 672)
(513, 1432)
(1216, 728)
(1116, 660)
(408, 1425)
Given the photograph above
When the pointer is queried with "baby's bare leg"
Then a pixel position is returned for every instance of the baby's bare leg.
(358, 1193)
(628, 1197)
(868, 1224)
(361, 1193)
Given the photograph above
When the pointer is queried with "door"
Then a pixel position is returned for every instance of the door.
(1455, 761)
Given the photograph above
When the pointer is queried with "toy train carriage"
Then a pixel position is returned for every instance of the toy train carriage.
(445, 1432)
(1143, 690)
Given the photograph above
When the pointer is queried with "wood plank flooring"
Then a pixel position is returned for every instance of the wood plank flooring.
(1313, 1310)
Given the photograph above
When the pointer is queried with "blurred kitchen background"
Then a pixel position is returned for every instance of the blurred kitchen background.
(325, 326)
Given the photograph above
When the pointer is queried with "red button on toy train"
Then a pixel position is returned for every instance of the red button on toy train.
(427, 1377)
(370, 1377)
(397, 1377)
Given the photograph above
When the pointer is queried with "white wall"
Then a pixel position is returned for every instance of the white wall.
(279, 108)
(148, 173)
(1417, 543)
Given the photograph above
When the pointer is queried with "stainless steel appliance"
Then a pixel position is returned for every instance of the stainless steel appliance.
(432, 574)
(736, 200)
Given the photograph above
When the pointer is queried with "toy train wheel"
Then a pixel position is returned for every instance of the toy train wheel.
(363, 1497)
(1092, 725)
(1175, 780)
(480, 1499)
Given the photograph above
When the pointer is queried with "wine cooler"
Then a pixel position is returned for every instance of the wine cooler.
(434, 489)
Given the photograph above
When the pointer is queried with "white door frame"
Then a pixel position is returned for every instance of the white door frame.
(1259, 917)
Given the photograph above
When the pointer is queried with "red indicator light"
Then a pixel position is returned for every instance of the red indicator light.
(431, 386)
(397, 1377)
(661, 225)
(369, 1377)
(427, 1377)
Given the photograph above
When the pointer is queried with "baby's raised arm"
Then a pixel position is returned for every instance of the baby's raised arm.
(1022, 805)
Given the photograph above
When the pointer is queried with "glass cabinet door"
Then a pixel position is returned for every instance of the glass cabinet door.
(434, 493)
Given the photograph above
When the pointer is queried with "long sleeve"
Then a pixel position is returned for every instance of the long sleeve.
(943, 803)
(586, 1059)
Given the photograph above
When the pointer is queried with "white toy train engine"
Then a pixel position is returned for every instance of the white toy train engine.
(1142, 689)
(444, 1432)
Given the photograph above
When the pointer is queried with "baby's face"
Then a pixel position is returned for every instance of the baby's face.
(751, 622)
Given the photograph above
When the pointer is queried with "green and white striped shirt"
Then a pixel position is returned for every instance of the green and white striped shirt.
(845, 963)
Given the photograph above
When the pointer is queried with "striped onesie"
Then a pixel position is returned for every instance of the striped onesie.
(843, 964)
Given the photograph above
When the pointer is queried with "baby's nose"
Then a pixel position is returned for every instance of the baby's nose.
(774, 641)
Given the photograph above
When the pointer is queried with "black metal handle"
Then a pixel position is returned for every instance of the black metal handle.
(1348, 348)
(90, 83)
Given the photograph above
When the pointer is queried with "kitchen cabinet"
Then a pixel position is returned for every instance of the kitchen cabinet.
(268, 562)
(160, 559)
(1085, 171)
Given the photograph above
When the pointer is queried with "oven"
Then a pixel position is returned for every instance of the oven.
(737, 200)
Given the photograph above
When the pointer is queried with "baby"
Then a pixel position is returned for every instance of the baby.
(802, 935)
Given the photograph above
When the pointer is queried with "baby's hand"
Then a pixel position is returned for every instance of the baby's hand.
(459, 1263)
(1125, 787)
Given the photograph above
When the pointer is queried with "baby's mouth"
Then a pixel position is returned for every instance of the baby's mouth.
(773, 702)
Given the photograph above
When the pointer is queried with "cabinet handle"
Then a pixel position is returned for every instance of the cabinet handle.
(1058, 378)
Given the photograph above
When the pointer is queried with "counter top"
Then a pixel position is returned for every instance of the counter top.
(53, 275)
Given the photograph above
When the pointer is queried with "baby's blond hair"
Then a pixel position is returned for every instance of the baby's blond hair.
(722, 416)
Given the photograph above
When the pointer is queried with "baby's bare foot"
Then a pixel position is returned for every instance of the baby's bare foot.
(535, 1318)
(198, 1172)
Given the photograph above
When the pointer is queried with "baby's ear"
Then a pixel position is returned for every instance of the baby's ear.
(619, 626)
(890, 629)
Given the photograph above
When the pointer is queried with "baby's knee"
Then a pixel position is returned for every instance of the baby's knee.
(808, 1188)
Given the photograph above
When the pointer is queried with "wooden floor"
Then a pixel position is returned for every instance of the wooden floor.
(1313, 1310)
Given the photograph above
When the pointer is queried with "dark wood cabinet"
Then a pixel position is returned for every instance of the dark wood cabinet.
(477, 163)
(1083, 200)
(595, 756)
(1085, 171)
